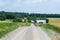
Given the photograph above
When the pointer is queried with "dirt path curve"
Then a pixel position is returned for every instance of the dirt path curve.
(27, 33)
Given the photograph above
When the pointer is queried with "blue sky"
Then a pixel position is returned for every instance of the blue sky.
(36, 6)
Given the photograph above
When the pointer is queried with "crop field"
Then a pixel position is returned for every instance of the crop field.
(55, 22)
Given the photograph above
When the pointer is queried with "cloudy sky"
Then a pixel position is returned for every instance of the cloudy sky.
(40, 6)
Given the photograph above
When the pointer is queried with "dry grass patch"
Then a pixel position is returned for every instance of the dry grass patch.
(55, 22)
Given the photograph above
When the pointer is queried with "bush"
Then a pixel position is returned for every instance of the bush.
(47, 20)
(29, 21)
(2, 18)
(17, 20)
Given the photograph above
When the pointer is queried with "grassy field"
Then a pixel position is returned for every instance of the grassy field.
(24, 24)
(7, 27)
(55, 22)
(6, 21)
(51, 27)
(48, 27)
(54, 25)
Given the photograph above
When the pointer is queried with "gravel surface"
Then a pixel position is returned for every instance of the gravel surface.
(27, 33)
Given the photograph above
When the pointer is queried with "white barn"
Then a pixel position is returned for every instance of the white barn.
(41, 21)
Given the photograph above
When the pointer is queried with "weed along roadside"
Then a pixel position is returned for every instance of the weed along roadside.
(27, 33)
(52, 31)
(5, 28)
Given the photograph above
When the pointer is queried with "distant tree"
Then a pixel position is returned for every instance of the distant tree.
(2, 15)
(17, 20)
(17, 16)
(10, 16)
(47, 20)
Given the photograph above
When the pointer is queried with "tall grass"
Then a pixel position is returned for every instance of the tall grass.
(51, 27)
(7, 27)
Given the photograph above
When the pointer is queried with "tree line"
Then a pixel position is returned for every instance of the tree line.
(21, 15)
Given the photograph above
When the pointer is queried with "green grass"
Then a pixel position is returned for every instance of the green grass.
(5, 28)
(24, 24)
(48, 26)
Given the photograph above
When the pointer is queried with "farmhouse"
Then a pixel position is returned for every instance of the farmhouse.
(41, 21)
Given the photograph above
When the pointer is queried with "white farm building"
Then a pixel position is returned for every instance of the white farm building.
(41, 21)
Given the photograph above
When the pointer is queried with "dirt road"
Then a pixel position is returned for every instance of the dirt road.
(27, 33)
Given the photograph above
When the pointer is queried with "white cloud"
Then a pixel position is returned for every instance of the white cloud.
(35, 1)
(3, 3)
(32, 1)
(18, 3)
(55, 0)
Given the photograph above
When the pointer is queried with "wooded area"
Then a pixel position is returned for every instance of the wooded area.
(30, 16)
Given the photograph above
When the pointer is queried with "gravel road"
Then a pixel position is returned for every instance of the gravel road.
(27, 33)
